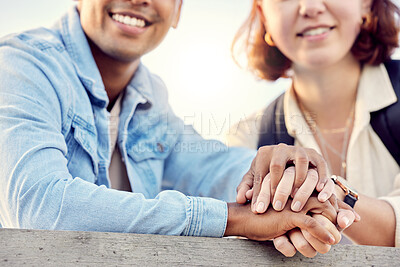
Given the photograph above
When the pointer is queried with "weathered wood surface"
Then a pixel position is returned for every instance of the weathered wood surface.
(56, 248)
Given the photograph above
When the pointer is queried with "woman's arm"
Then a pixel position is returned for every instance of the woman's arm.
(378, 224)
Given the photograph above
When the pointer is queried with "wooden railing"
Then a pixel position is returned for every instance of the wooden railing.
(60, 248)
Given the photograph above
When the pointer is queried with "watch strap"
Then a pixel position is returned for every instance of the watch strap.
(350, 200)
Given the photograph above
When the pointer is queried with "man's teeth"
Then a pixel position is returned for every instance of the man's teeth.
(316, 31)
(135, 22)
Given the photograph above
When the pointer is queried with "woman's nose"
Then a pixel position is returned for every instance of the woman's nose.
(311, 8)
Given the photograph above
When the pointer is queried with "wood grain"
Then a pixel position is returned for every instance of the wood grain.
(55, 248)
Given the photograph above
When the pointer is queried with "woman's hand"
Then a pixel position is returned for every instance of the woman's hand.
(267, 178)
(301, 240)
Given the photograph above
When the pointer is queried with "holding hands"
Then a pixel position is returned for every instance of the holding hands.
(301, 194)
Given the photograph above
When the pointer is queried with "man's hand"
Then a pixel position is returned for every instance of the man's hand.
(243, 222)
(267, 178)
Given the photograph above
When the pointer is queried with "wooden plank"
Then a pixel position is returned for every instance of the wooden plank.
(55, 248)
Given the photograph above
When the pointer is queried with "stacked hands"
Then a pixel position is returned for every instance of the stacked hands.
(305, 215)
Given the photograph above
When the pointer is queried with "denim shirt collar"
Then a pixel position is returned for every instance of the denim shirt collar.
(79, 50)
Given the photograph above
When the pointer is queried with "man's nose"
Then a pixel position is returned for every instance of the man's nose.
(141, 2)
(311, 8)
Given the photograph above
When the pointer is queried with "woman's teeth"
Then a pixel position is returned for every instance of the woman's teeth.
(316, 31)
(131, 21)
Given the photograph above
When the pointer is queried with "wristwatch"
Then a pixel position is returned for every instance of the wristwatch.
(351, 195)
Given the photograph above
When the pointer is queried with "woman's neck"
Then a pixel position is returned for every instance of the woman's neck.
(328, 93)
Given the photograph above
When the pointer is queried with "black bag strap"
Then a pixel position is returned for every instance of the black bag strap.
(273, 128)
(386, 122)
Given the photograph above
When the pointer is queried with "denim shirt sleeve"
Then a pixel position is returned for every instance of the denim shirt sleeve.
(206, 167)
(36, 188)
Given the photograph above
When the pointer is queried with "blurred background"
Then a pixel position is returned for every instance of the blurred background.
(205, 86)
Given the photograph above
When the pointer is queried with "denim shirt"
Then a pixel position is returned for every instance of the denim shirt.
(55, 146)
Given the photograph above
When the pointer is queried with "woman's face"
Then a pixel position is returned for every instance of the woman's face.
(314, 33)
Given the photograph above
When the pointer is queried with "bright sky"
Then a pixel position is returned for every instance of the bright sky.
(206, 88)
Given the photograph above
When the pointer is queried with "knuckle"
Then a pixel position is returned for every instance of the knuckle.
(281, 146)
(275, 166)
(302, 194)
(257, 178)
(264, 195)
(290, 170)
(264, 149)
(283, 192)
(310, 222)
(279, 244)
(302, 159)
(303, 245)
(312, 175)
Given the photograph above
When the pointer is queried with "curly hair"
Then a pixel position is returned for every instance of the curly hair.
(374, 45)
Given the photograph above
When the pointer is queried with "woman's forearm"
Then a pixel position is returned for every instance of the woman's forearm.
(378, 223)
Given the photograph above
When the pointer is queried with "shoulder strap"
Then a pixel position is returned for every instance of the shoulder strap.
(273, 129)
(386, 122)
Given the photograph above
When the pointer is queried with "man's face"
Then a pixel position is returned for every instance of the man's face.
(126, 30)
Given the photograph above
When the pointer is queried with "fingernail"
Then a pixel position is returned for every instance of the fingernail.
(278, 205)
(331, 239)
(260, 207)
(358, 217)
(296, 206)
(324, 197)
(346, 221)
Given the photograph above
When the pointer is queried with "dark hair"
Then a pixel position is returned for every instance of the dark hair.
(375, 43)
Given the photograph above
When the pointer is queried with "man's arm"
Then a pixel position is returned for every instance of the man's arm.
(36, 188)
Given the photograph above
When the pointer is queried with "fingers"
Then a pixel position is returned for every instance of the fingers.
(344, 206)
(326, 209)
(245, 185)
(305, 191)
(282, 154)
(301, 163)
(315, 243)
(260, 170)
(283, 245)
(264, 196)
(312, 226)
(249, 194)
(284, 189)
(326, 191)
(318, 161)
(331, 227)
(301, 244)
(345, 218)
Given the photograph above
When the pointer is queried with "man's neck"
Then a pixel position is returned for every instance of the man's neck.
(115, 74)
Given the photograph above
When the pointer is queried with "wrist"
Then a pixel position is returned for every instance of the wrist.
(339, 193)
(236, 220)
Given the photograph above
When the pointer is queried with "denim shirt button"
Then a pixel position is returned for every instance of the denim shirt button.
(160, 147)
